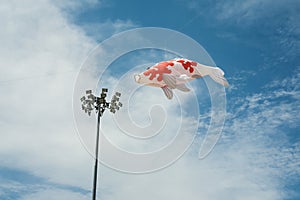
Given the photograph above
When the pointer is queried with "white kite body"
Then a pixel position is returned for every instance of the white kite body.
(173, 74)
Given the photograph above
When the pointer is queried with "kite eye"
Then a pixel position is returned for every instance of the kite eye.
(148, 68)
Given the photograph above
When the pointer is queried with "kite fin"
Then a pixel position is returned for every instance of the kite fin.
(168, 92)
(170, 80)
(196, 76)
(183, 87)
(218, 75)
(184, 78)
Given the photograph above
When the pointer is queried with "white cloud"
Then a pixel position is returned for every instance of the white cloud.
(101, 31)
(54, 194)
(254, 160)
(270, 26)
(41, 52)
(250, 10)
(39, 137)
(76, 6)
(274, 20)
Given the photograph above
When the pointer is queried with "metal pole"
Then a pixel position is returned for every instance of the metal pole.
(96, 156)
(91, 102)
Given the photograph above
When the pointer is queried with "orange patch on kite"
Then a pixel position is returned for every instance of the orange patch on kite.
(187, 65)
(160, 69)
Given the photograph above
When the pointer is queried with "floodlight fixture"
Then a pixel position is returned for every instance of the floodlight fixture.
(118, 94)
(82, 99)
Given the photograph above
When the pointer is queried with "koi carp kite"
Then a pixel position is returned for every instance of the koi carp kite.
(173, 74)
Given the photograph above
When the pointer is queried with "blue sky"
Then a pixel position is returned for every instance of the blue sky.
(256, 43)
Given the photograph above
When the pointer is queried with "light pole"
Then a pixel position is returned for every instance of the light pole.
(99, 104)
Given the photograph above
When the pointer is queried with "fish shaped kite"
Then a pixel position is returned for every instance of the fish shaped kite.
(173, 74)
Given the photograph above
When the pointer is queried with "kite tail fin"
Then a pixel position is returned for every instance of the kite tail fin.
(218, 75)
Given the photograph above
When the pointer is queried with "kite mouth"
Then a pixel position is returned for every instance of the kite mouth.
(137, 78)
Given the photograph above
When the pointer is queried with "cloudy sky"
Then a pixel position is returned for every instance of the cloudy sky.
(47, 154)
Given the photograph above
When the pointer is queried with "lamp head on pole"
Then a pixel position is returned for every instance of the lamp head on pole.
(91, 102)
